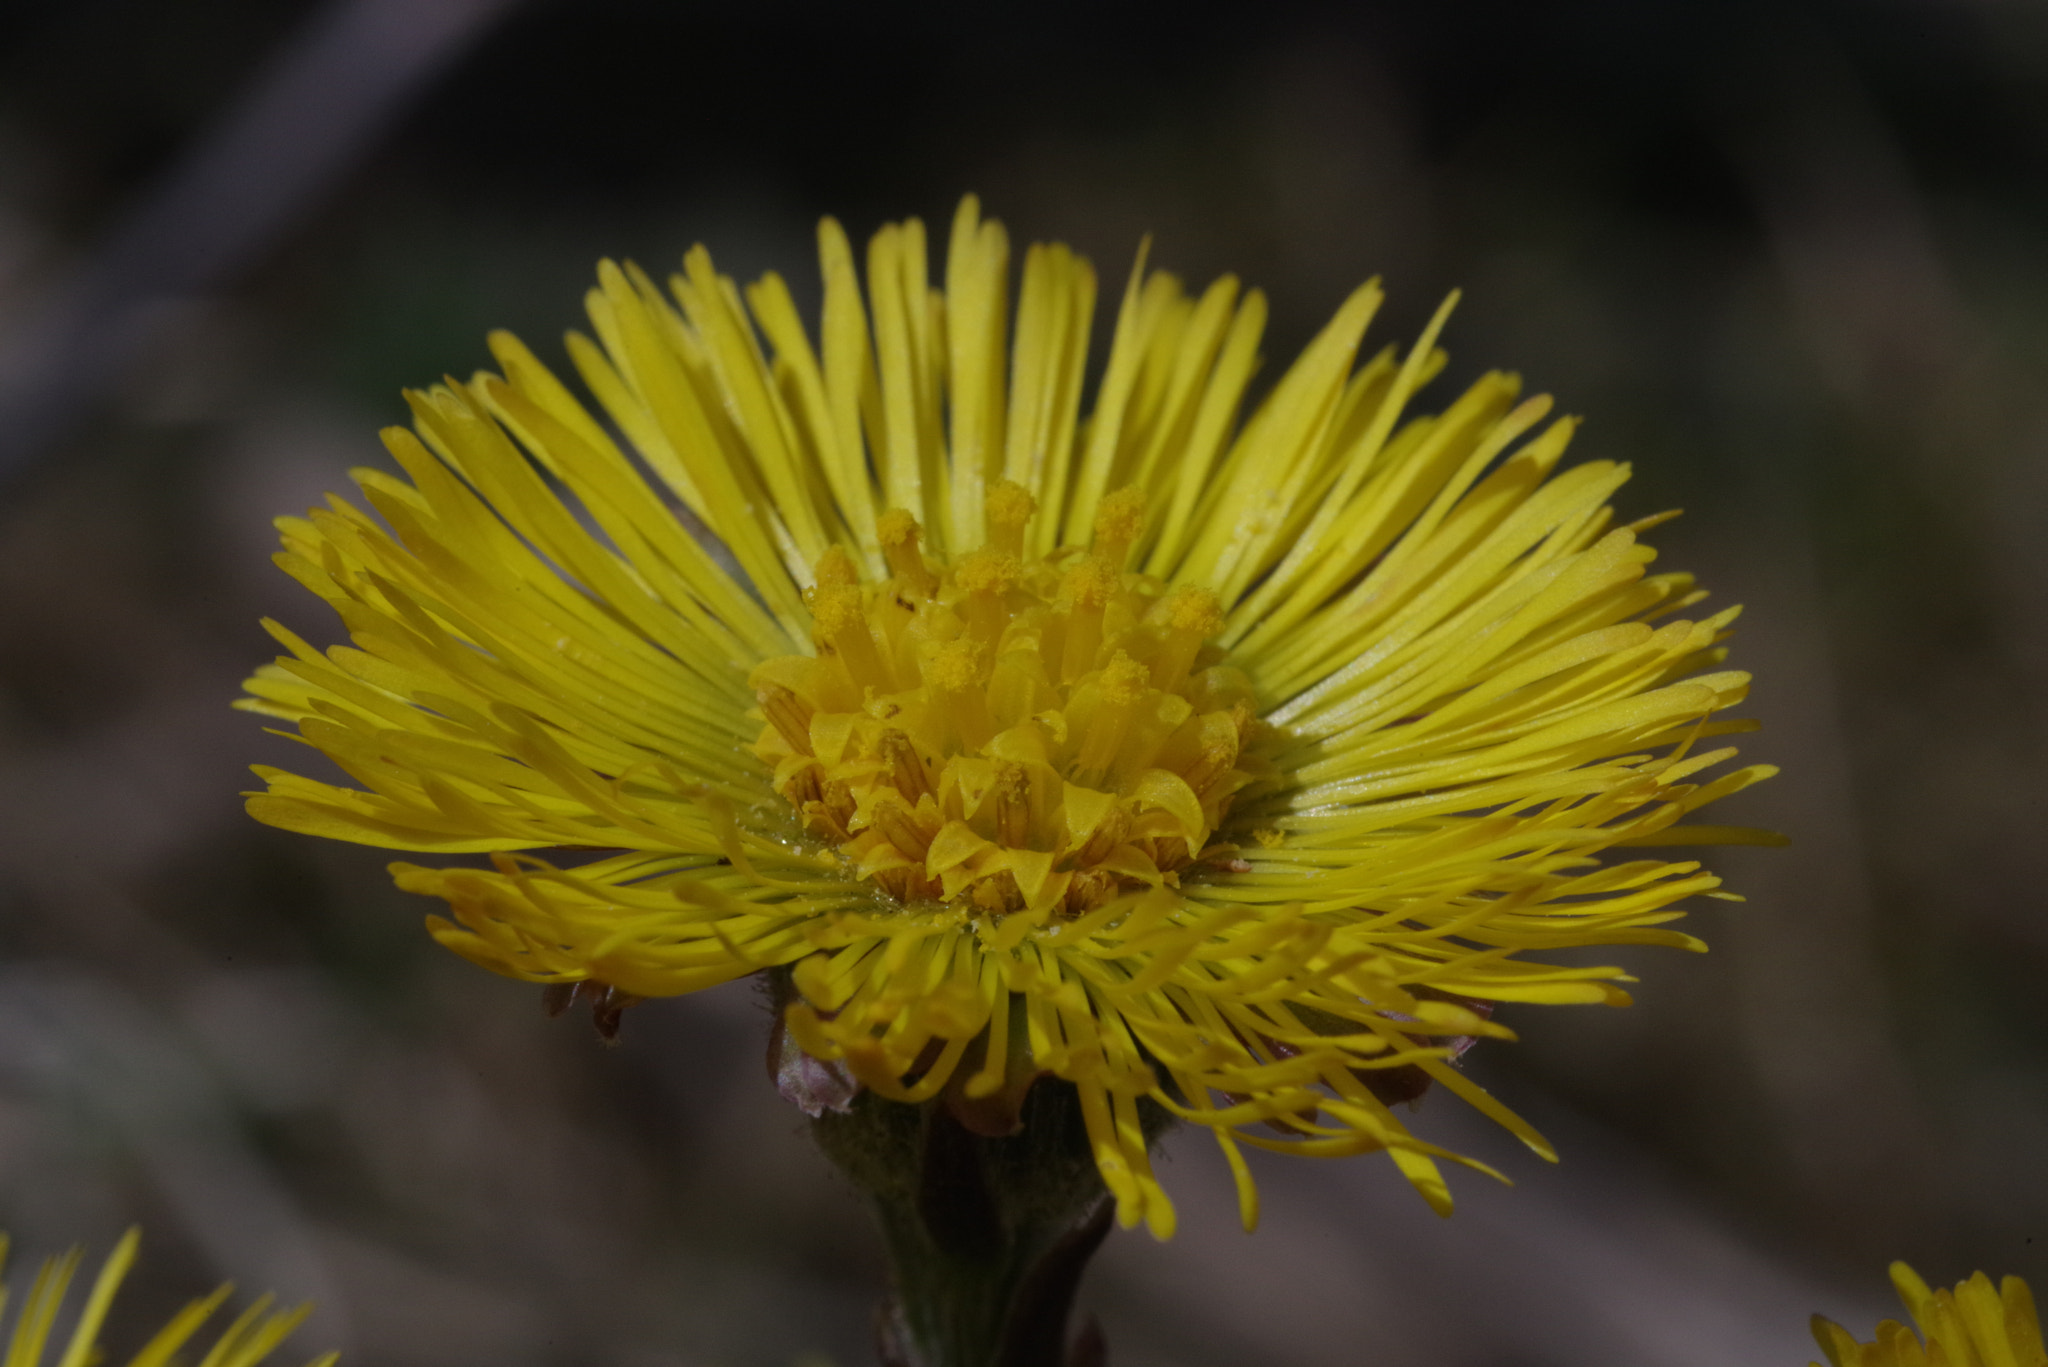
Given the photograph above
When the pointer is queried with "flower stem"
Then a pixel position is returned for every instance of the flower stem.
(987, 1238)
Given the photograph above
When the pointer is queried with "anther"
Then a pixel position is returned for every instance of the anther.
(898, 531)
(904, 765)
(788, 713)
(1115, 828)
(1119, 518)
(1090, 889)
(900, 827)
(906, 885)
(1170, 853)
(1013, 806)
(835, 810)
(804, 787)
(1008, 508)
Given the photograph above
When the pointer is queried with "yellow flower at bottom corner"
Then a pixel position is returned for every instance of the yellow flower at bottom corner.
(1224, 754)
(1974, 1325)
(248, 1340)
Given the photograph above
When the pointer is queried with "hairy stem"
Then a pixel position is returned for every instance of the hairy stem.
(987, 1238)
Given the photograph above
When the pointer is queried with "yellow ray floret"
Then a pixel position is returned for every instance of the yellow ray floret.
(1231, 763)
(248, 1340)
(1975, 1325)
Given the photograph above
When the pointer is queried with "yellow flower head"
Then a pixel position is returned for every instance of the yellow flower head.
(1975, 1325)
(247, 1341)
(1234, 763)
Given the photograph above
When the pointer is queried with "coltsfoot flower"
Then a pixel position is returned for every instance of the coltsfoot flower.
(248, 1340)
(1975, 1325)
(1237, 766)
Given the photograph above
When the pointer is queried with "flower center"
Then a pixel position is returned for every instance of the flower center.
(1005, 732)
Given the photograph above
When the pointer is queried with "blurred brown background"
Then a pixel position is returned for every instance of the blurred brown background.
(1792, 259)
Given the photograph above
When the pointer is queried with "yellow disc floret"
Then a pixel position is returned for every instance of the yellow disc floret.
(1005, 735)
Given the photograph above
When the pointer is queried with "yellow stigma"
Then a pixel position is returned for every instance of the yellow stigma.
(1010, 505)
(1119, 518)
(988, 572)
(1123, 681)
(1196, 611)
(898, 533)
(835, 569)
(1004, 735)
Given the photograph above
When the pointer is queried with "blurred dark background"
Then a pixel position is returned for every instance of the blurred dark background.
(1791, 259)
